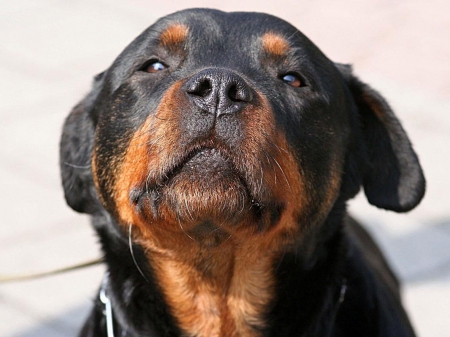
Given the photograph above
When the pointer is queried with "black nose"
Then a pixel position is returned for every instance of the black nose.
(218, 91)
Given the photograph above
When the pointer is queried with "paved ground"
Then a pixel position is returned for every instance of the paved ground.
(49, 50)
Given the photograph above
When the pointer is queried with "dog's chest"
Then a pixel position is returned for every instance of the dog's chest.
(231, 304)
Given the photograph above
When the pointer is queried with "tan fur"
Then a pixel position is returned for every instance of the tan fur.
(174, 35)
(139, 158)
(223, 303)
(275, 44)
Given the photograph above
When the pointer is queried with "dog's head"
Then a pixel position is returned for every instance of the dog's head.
(213, 123)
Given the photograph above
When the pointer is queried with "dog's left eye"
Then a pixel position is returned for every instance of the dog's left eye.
(293, 80)
(155, 66)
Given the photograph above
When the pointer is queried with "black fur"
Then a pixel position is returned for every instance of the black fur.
(336, 114)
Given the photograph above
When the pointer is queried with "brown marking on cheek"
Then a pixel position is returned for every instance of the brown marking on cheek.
(174, 35)
(274, 166)
(305, 203)
(275, 44)
(283, 177)
(132, 173)
(146, 156)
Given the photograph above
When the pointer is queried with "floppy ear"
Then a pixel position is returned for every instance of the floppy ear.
(391, 175)
(75, 154)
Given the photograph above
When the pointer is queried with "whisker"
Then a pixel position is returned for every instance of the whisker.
(262, 178)
(270, 159)
(142, 133)
(228, 238)
(166, 119)
(82, 167)
(187, 209)
(282, 171)
(130, 244)
(147, 181)
(152, 142)
(181, 226)
(280, 148)
(242, 200)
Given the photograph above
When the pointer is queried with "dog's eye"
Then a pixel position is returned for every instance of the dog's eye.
(155, 66)
(292, 79)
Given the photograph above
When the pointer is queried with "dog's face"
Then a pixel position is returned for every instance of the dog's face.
(213, 124)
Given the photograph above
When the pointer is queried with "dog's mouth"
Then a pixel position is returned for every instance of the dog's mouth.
(205, 164)
(203, 185)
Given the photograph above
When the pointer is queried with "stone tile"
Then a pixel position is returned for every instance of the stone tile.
(44, 330)
(422, 253)
(76, 317)
(428, 305)
(32, 147)
(16, 7)
(65, 33)
(444, 227)
(20, 93)
(14, 318)
(64, 243)
(48, 301)
(29, 206)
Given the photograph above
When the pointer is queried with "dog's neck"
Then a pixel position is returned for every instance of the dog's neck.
(228, 290)
(221, 291)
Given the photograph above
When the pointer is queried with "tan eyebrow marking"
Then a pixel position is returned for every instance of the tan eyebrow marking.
(275, 44)
(174, 35)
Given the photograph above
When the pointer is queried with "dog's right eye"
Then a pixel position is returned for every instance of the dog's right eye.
(293, 80)
(154, 67)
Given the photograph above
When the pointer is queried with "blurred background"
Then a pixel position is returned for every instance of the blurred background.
(49, 51)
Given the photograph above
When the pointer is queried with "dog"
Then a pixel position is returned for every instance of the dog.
(215, 157)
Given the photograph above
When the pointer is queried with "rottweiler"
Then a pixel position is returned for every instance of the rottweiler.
(215, 158)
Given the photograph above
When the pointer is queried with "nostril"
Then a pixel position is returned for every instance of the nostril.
(233, 94)
(205, 88)
(200, 88)
(238, 92)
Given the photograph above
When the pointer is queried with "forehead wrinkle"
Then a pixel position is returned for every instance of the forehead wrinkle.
(173, 35)
(275, 44)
